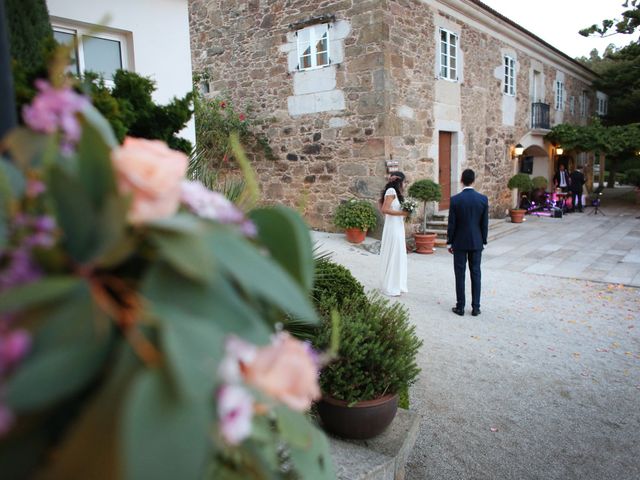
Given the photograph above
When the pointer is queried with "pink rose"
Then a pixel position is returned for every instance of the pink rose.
(286, 371)
(153, 174)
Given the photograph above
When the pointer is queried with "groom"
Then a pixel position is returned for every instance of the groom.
(466, 236)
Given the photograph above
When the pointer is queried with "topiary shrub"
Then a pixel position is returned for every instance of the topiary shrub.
(426, 191)
(377, 352)
(356, 214)
(333, 281)
(539, 183)
(521, 182)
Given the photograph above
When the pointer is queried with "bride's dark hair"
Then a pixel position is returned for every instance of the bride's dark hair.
(395, 182)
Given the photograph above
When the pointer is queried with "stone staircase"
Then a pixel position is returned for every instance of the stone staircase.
(497, 228)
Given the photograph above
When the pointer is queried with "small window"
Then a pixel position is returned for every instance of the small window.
(572, 105)
(559, 95)
(101, 53)
(509, 75)
(448, 55)
(313, 47)
(602, 106)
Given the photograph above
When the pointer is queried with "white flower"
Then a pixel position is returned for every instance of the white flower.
(235, 412)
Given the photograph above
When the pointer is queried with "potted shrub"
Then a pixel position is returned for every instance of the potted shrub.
(376, 360)
(520, 182)
(425, 191)
(356, 217)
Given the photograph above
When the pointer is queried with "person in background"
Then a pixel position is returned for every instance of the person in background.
(576, 183)
(561, 179)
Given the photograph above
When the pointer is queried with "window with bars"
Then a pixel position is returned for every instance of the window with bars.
(313, 47)
(448, 55)
(509, 75)
(559, 95)
(99, 52)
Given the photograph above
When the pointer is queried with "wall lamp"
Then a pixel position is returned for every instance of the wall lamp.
(559, 150)
(517, 151)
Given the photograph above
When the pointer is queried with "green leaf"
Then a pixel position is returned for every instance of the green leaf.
(95, 168)
(287, 237)
(13, 183)
(112, 243)
(29, 148)
(186, 252)
(260, 275)
(314, 459)
(294, 427)
(165, 437)
(41, 292)
(180, 223)
(75, 213)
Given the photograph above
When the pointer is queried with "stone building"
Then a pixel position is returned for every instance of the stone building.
(348, 89)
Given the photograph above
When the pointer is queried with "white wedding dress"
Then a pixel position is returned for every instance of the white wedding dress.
(393, 251)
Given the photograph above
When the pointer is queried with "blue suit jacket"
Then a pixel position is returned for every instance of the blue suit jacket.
(468, 221)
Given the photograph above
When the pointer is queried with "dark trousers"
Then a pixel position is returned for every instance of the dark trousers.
(460, 259)
(577, 200)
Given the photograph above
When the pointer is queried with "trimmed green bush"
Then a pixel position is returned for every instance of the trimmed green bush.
(540, 182)
(356, 214)
(521, 182)
(335, 281)
(377, 353)
(426, 191)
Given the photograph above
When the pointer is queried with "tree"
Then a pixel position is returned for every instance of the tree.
(629, 23)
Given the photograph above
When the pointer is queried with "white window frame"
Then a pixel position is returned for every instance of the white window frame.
(559, 95)
(314, 37)
(81, 32)
(583, 104)
(572, 105)
(509, 84)
(445, 70)
(602, 106)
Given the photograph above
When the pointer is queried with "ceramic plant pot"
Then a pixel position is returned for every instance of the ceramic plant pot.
(355, 235)
(425, 242)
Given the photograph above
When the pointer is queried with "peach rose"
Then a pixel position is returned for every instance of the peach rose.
(153, 174)
(286, 371)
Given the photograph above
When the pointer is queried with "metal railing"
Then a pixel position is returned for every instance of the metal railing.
(540, 115)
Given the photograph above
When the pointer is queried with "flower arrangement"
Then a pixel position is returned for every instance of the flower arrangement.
(139, 313)
(410, 206)
(356, 214)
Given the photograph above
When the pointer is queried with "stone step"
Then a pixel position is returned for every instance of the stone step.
(381, 458)
(502, 228)
(437, 223)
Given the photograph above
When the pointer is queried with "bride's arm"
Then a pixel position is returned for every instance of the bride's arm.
(386, 207)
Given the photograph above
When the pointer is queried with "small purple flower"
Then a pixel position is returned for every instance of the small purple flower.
(19, 270)
(55, 109)
(14, 346)
(214, 206)
(235, 412)
(34, 188)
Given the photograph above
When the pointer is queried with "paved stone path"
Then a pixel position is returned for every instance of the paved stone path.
(545, 384)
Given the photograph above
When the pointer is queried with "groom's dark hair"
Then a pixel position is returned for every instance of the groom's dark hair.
(468, 177)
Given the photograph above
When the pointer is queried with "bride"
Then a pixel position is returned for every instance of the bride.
(393, 250)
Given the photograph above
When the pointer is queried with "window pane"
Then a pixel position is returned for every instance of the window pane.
(321, 45)
(443, 36)
(305, 61)
(65, 38)
(322, 58)
(453, 63)
(101, 56)
(453, 40)
(452, 51)
(303, 36)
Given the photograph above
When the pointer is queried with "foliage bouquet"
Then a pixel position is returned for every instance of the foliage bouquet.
(139, 311)
(410, 206)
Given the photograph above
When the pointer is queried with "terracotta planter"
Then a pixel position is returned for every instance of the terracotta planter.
(360, 421)
(355, 235)
(425, 242)
(517, 216)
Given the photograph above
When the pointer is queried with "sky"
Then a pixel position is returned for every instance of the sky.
(558, 21)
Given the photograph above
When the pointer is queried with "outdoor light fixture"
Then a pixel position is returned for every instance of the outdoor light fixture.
(559, 150)
(518, 150)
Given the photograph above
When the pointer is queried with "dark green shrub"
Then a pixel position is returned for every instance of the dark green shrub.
(633, 177)
(521, 182)
(377, 353)
(334, 281)
(356, 214)
(539, 183)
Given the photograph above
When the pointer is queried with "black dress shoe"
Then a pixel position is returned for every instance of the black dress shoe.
(475, 312)
(458, 311)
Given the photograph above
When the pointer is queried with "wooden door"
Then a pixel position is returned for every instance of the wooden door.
(444, 168)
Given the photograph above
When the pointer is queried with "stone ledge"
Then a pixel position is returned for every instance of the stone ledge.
(380, 458)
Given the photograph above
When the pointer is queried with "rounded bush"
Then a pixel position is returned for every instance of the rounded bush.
(425, 191)
(334, 281)
(539, 182)
(377, 351)
(356, 214)
(521, 182)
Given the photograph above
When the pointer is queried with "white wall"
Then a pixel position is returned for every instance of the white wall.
(159, 30)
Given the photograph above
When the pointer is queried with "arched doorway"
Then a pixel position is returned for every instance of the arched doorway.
(535, 161)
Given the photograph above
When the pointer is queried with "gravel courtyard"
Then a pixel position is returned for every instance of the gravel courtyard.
(545, 383)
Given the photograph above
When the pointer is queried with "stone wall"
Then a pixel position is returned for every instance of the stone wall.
(386, 84)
